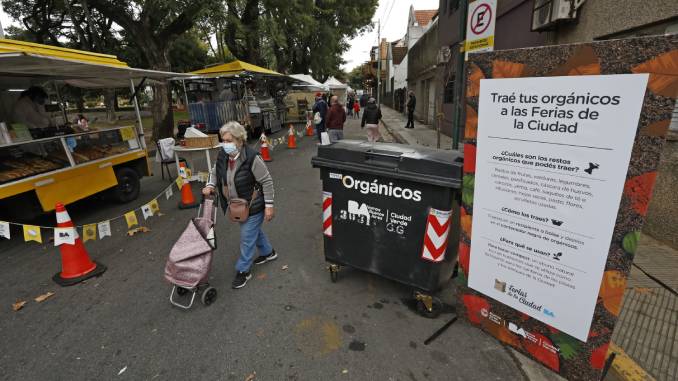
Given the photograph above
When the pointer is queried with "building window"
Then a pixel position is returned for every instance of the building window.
(448, 96)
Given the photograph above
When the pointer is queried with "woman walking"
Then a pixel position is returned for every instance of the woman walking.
(240, 173)
(370, 121)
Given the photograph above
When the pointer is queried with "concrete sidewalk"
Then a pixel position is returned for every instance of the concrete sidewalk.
(421, 135)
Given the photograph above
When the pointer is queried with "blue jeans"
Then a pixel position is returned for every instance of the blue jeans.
(251, 237)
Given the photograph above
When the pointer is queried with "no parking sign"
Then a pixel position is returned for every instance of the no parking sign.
(482, 16)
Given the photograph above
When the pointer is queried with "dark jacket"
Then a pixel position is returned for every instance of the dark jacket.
(244, 180)
(371, 115)
(411, 103)
(321, 107)
(336, 117)
(363, 100)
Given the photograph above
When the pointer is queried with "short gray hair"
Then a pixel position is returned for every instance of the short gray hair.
(235, 129)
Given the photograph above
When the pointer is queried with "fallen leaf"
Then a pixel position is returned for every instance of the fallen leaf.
(18, 305)
(251, 377)
(122, 370)
(285, 267)
(141, 229)
(43, 297)
(261, 276)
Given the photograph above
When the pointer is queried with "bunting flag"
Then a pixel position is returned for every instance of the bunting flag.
(146, 211)
(182, 172)
(64, 236)
(104, 229)
(189, 173)
(131, 218)
(4, 229)
(168, 193)
(89, 232)
(203, 177)
(32, 233)
(180, 182)
(155, 207)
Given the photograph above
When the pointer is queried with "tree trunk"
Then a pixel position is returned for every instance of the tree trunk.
(110, 101)
(161, 107)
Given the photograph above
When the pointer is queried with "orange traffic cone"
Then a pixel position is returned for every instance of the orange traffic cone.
(187, 199)
(76, 265)
(292, 138)
(309, 128)
(264, 151)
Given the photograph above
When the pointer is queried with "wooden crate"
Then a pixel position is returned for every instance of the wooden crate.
(206, 142)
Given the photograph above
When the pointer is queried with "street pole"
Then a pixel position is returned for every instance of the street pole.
(460, 74)
(378, 63)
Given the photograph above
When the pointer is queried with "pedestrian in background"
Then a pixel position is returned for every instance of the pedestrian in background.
(336, 116)
(319, 114)
(363, 100)
(349, 105)
(411, 104)
(356, 110)
(370, 122)
(241, 173)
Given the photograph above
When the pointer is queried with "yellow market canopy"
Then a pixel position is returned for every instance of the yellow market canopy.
(24, 63)
(236, 67)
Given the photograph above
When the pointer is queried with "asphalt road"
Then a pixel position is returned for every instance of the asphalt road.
(286, 324)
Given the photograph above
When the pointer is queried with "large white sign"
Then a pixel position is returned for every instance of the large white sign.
(551, 160)
(482, 15)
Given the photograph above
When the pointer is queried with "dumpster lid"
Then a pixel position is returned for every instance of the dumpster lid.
(419, 164)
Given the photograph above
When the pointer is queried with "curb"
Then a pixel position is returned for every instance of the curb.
(395, 134)
(625, 368)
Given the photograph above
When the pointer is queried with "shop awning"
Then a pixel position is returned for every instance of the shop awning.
(25, 62)
(236, 67)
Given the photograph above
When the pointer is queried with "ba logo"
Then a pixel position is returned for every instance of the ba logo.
(548, 312)
(517, 330)
(63, 235)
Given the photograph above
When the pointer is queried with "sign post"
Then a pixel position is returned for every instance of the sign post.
(482, 15)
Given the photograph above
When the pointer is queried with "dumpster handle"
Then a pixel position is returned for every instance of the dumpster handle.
(374, 153)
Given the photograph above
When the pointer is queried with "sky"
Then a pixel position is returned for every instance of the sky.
(393, 15)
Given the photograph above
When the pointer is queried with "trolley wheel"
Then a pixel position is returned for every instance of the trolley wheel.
(209, 296)
(182, 291)
(434, 312)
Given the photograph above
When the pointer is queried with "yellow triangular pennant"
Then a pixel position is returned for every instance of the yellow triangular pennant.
(32, 233)
(155, 208)
(180, 182)
(131, 219)
(89, 232)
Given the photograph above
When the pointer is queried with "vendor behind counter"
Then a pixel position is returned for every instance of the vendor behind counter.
(29, 109)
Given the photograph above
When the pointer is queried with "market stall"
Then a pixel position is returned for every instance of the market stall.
(300, 96)
(62, 161)
(337, 88)
(236, 91)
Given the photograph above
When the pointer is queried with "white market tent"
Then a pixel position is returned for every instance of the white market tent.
(337, 88)
(335, 84)
(308, 82)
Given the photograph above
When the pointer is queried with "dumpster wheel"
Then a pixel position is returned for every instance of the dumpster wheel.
(334, 272)
(428, 306)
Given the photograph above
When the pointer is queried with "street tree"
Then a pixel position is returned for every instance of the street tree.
(153, 26)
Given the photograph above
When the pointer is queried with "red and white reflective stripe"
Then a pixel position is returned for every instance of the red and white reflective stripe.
(437, 230)
(327, 214)
(62, 217)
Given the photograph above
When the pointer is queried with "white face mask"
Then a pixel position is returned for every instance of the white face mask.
(229, 148)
